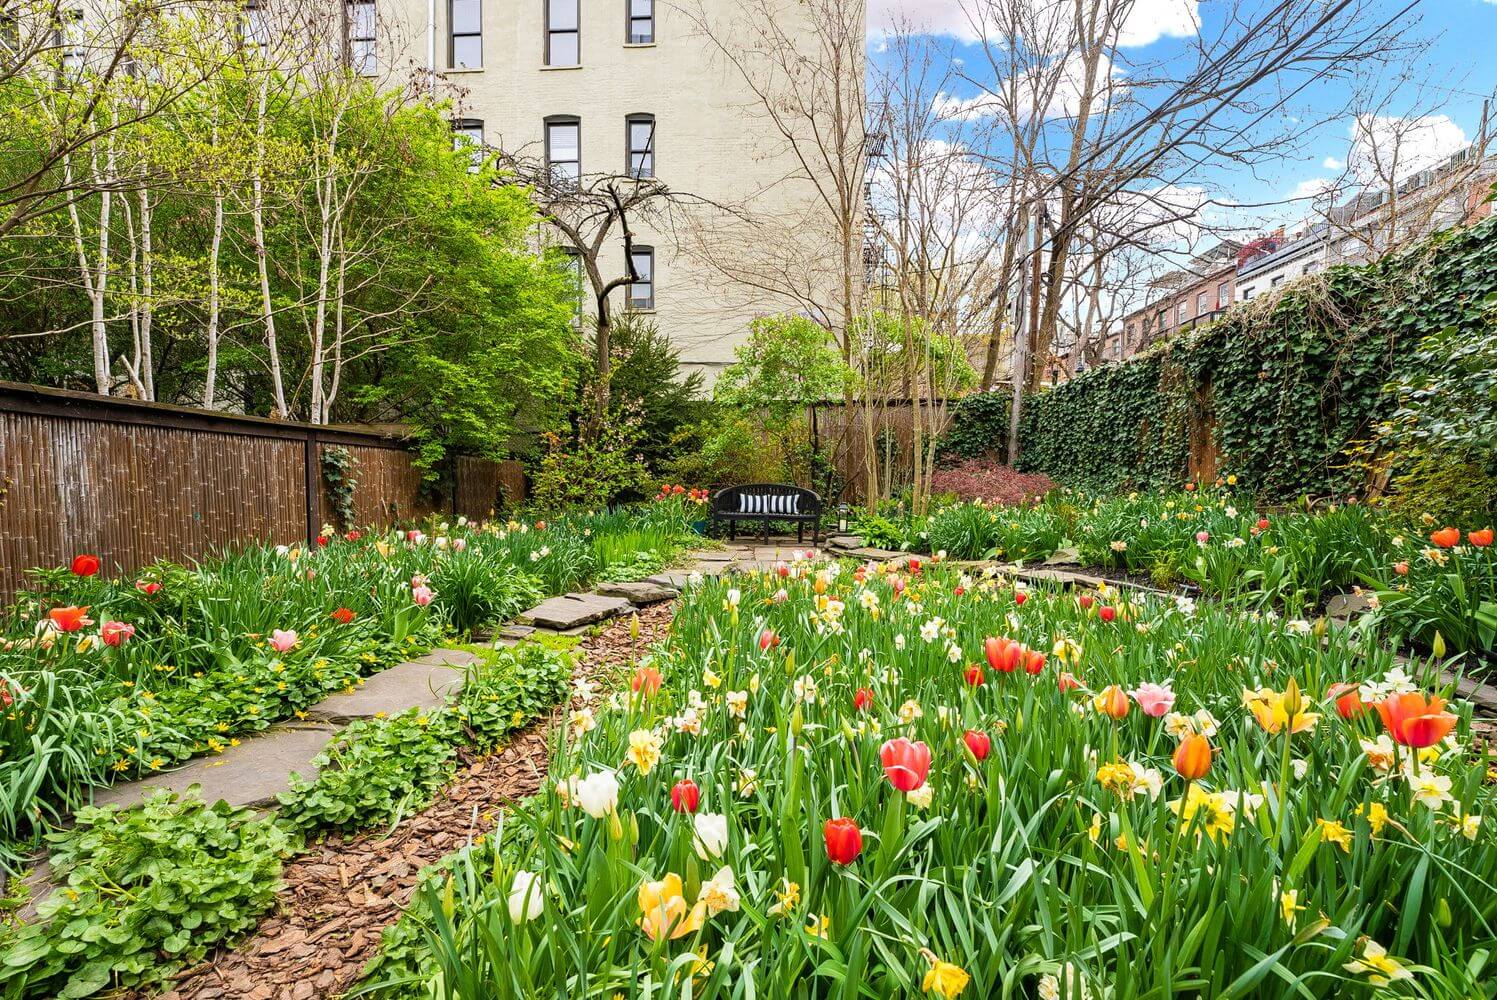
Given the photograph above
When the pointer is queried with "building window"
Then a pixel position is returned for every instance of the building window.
(571, 265)
(642, 291)
(564, 149)
(641, 137)
(563, 33)
(1247, 293)
(1223, 294)
(1182, 311)
(465, 46)
(1203, 303)
(641, 21)
(1276, 281)
(361, 51)
(467, 133)
(252, 30)
(70, 39)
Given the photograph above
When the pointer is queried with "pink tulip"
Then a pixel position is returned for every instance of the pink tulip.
(1153, 699)
(1203, 537)
(115, 633)
(458, 544)
(282, 640)
(780, 596)
(422, 595)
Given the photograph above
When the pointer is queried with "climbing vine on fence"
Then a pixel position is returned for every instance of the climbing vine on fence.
(1292, 388)
(337, 473)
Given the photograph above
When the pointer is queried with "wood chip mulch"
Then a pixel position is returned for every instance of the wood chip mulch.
(344, 892)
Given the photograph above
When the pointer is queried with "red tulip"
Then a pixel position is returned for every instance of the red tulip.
(974, 676)
(115, 633)
(768, 638)
(1107, 612)
(1415, 722)
(862, 699)
(147, 587)
(1193, 757)
(783, 569)
(915, 566)
(1113, 702)
(992, 648)
(85, 565)
(1348, 698)
(354, 535)
(1068, 681)
(844, 841)
(1086, 601)
(1446, 538)
(906, 764)
(1034, 661)
(540, 526)
(1190, 487)
(685, 795)
(958, 590)
(1020, 597)
(1262, 524)
(646, 680)
(70, 619)
(322, 541)
(343, 616)
(1480, 538)
(978, 742)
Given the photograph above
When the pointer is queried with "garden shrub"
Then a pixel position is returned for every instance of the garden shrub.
(141, 892)
(593, 473)
(1295, 386)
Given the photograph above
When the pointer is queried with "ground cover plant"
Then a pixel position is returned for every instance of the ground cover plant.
(841, 781)
(103, 679)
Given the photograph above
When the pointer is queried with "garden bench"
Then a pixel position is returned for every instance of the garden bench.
(767, 502)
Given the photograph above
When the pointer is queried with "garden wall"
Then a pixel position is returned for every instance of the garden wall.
(1286, 392)
(133, 482)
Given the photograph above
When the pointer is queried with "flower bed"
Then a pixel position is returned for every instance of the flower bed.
(105, 679)
(834, 781)
(1430, 585)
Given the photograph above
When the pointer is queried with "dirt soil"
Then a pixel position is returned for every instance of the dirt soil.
(345, 891)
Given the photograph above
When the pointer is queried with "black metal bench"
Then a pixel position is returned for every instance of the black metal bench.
(768, 502)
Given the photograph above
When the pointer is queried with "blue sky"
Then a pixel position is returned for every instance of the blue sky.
(1443, 91)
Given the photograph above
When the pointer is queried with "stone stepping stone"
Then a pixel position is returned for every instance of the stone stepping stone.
(639, 592)
(844, 542)
(877, 555)
(250, 774)
(426, 682)
(575, 610)
(710, 555)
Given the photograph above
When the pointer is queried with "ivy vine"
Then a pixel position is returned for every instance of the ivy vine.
(337, 474)
(1292, 389)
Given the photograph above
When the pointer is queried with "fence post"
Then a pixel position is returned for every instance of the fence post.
(314, 480)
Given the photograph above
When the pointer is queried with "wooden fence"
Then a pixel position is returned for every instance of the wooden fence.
(134, 482)
(844, 434)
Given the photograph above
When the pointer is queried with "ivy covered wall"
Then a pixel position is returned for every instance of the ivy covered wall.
(1286, 392)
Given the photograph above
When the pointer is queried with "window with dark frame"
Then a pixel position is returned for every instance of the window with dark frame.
(1223, 294)
(252, 24)
(641, 21)
(465, 35)
(70, 39)
(641, 139)
(563, 33)
(642, 291)
(467, 133)
(564, 149)
(362, 55)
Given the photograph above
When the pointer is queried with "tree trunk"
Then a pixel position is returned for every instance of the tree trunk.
(257, 213)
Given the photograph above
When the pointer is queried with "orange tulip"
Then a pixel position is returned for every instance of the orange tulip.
(1348, 698)
(647, 681)
(1113, 701)
(1446, 538)
(69, 619)
(1414, 721)
(1193, 757)
(1480, 538)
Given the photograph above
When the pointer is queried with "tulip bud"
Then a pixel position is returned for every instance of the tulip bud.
(634, 627)
(1193, 757)
(1438, 646)
(1294, 702)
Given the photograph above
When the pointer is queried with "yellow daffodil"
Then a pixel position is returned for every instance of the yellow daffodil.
(943, 978)
(644, 750)
(1379, 967)
(1333, 832)
(1289, 905)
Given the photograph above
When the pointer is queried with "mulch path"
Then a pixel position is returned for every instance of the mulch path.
(345, 891)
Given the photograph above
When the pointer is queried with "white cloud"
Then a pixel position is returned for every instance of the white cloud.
(1388, 148)
(1062, 96)
(1331, 163)
(1148, 21)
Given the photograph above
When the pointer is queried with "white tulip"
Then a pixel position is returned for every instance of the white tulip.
(525, 897)
(711, 835)
(598, 794)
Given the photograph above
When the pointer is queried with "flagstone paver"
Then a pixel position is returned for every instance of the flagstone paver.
(573, 610)
(249, 774)
(423, 683)
(639, 592)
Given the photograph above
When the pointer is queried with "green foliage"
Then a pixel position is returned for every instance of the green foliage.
(593, 473)
(646, 384)
(979, 426)
(142, 892)
(1293, 384)
(1448, 488)
(726, 447)
(903, 357)
(787, 363)
(377, 771)
(337, 476)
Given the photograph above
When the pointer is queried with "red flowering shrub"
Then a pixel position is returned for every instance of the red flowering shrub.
(984, 479)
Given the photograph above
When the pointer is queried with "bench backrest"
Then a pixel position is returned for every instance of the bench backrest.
(769, 499)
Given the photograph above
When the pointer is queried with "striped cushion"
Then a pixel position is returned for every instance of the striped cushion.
(766, 503)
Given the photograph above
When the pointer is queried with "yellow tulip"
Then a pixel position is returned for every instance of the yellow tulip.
(665, 912)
